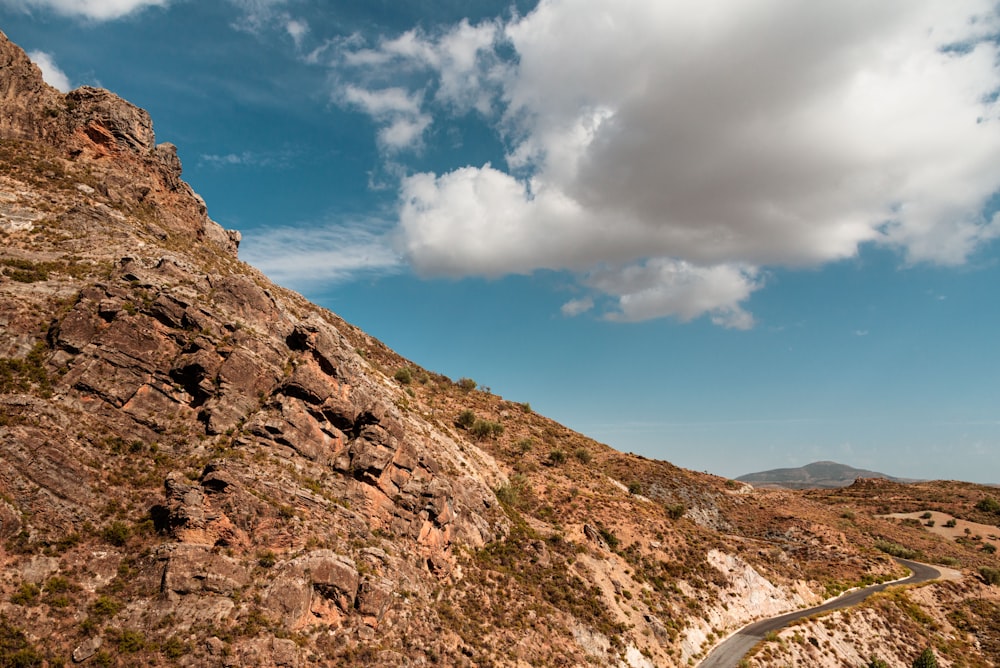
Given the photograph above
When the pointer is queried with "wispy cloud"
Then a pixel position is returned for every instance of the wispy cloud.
(248, 159)
(51, 73)
(322, 254)
(96, 10)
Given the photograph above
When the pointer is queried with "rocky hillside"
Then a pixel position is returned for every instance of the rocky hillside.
(198, 467)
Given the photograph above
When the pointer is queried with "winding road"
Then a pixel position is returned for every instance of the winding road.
(733, 649)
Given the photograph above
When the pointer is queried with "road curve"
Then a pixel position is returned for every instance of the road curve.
(733, 649)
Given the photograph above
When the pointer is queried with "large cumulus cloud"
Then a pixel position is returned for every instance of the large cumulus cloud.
(667, 151)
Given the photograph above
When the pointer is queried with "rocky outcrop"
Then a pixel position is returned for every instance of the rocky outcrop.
(175, 399)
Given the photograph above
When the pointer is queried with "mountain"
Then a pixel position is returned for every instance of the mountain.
(199, 467)
(815, 475)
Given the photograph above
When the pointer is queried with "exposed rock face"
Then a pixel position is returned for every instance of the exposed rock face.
(170, 380)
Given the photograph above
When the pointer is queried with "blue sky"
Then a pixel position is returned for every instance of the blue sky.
(735, 236)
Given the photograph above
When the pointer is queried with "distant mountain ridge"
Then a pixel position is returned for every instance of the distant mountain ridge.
(822, 475)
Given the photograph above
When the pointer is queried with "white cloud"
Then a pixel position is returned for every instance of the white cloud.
(98, 10)
(575, 307)
(397, 110)
(669, 150)
(51, 73)
(458, 69)
(296, 29)
(665, 287)
(328, 253)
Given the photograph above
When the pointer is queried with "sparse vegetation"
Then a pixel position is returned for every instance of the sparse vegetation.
(989, 505)
(896, 550)
(16, 651)
(486, 429)
(991, 576)
(557, 457)
(404, 375)
(117, 533)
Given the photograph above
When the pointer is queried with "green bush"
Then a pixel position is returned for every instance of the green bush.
(117, 533)
(267, 558)
(131, 641)
(26, 595)
(896, 550)
(174, 648)
(582, 454)
(466, 419)
(635, 487)
(105, 606)
(952, 523)
(466, 384)
(926, 659)
(557, 457)
(876, 662)
(404, 376)
(486, 429)
(675, 511)
(988, 505)
(991, 576)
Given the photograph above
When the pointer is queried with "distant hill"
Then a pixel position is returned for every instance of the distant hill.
(824, 475)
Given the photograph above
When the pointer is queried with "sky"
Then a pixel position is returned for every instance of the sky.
(734, 235)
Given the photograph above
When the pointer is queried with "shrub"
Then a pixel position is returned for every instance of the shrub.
(174, 648)
(466, 384)
(57, 584)
(926, 659)
(876, 662)
(926, 516)
(991, 576)
(116, 533)
(26, 595)
(404, 376)
(557, 457)
(131, 641)
(675, 511)
(105, 606)
(896, 550)
(582, 454)
(952, 523)
(989, 548)
(515, 493)
(635, 487)
(267, 558)
(525, 444)
(486, 429)
(466, 419)
(988, 505)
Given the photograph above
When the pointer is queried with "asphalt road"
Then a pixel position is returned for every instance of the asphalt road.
(734, 648)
